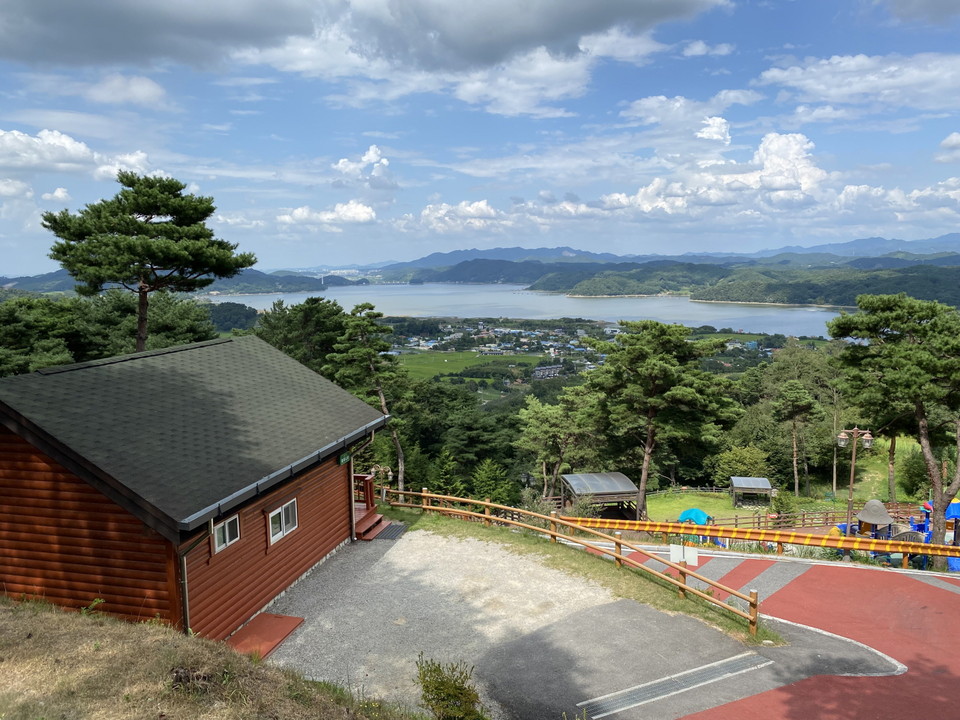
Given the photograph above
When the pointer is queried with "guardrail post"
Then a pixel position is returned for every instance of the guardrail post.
(618, 546)
(754, 611)
(779, 548)
(682, 589)
(905, 562)
(666, 538)
(553, 526)
(425, 501)
(486, 512)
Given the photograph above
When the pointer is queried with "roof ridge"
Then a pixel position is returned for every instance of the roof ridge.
(131, 356)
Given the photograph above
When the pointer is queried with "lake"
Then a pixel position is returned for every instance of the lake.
(514, 301)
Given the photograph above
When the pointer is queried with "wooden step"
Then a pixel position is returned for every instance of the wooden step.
(369, 526)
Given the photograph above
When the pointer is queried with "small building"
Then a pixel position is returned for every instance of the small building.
(192, 484)
(752, 486)
(609, 491)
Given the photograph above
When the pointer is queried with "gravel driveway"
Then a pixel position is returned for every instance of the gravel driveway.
(540, 640)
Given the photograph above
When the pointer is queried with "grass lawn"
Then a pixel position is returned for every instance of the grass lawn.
(668, 506)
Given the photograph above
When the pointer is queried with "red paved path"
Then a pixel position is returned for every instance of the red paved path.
(913, 622)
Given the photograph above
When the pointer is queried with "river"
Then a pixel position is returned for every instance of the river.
(515, 301)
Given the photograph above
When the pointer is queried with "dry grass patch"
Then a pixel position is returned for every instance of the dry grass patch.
(64, 665)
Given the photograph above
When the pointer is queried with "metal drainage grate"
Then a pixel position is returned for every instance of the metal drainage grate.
(392, 531)
(655, 690)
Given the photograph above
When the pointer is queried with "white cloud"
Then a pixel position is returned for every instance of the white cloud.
(238, 220)
(15, 189)
(327, 220)
(371, 170)
(950, 146)
(465, 216)
(136, 161)
(545, 53)
(48, 150)
(111, 89)
(928, 81)
(699, 48)
(715, 128)
(58, 195)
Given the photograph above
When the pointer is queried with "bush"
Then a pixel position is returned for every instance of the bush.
(447, 691)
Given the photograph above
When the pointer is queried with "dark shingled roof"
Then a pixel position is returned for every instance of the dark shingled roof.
(186, 433)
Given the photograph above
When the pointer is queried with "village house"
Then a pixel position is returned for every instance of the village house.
(192, 484)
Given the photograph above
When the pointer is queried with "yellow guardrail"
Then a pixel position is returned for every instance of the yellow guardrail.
(553, 521)
(780, 537)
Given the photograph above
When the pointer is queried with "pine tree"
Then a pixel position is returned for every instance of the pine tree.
(150, 236)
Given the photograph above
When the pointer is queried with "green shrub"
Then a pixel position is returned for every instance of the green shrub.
(447, 690)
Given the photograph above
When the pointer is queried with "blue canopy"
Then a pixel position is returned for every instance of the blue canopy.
(694, 515)
(953, 510)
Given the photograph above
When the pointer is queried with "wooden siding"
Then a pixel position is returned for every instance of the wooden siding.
(226, 589)
(64, 541)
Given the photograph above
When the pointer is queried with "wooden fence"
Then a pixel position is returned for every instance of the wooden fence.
(493, 513)
(778, 537)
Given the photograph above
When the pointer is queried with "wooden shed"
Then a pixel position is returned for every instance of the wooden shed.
(192, 484)
(753, 486)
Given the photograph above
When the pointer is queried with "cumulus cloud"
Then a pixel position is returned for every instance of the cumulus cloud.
(238, 220)
(59, 195)
(927, 81)
(48, 150)
(371, 170)
(328, 220)
(950, 147)
(450, 219)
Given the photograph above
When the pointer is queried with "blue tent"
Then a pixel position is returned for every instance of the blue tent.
(953, 510)
(694, 515)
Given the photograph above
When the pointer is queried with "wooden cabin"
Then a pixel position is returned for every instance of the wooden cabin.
(192, 484)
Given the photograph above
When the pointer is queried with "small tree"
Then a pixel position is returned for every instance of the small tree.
(749, 461)
(796, 406)
(150, 236)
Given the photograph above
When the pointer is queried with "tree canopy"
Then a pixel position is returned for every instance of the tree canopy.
(150, 236)
(910, 350)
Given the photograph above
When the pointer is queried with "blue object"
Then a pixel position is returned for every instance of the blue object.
(953, 564)
(694, 515)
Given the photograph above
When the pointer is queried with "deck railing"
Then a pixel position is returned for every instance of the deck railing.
(492, 513)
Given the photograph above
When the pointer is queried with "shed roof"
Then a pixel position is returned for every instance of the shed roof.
(612, 483)
(181, 435)
(750, 483)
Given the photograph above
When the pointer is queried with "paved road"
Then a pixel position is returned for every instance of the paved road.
(544, 643)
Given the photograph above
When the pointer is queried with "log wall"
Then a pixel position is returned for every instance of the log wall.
(226, 589)
(63, 541)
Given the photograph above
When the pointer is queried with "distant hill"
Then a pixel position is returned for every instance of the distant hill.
(248, 281)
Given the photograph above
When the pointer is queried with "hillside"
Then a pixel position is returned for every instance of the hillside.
(59, 664)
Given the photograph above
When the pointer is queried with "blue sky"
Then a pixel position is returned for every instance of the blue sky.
(332, 132)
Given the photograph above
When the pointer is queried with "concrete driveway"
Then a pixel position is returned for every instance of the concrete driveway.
(542, 642)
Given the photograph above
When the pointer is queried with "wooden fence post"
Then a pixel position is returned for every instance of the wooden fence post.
(425, 501)
(682, 589)
(618, 546)
(553, 526)
(486, 513)
(754, 611)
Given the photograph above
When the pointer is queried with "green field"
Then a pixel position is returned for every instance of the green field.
(428, 364)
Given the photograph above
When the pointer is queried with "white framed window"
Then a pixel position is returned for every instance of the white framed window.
(226, 533)
(283, 520)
